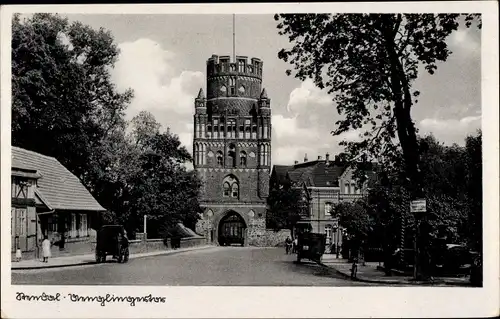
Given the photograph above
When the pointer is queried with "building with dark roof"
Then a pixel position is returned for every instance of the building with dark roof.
(325, 182)
(48, 200)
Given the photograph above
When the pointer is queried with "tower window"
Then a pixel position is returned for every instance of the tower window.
(227, 189)
(219, 158)
(241, 131)
(235, 190)
(232, 84)
(230, 186)
(243, 159)
(254, 131)
(232, 155)
(231, 128)
(209, 130)
(241, 66)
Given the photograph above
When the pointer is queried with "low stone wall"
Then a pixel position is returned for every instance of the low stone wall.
(270, 238)
(87, 246)
(72, 247)
(139, 246)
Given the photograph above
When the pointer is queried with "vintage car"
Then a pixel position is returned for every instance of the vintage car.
(112, 240)
(310, 246)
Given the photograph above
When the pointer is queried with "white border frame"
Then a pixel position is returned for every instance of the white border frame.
(224, 302)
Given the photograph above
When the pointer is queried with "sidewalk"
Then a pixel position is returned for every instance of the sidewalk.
(370, 273)
(89, 259)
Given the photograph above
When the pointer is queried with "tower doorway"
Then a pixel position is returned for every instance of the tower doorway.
(232, 229)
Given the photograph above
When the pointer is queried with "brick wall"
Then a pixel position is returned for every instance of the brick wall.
(213, 189)
(271, 238)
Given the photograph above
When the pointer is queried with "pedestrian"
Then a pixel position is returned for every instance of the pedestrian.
(46, 249)
(18, 254)
(288, 244)
(295, 245)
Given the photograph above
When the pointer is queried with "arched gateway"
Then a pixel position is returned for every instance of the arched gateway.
(232, 229)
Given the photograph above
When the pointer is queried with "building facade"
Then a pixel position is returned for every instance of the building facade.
(325, 183)
(232, 150)
(48, 200)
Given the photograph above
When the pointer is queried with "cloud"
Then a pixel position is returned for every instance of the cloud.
(291, 142)
(451, 131)
(463, 42)
(150, 70)
(307, 95)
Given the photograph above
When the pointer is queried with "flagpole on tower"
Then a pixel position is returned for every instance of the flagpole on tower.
(234, 41)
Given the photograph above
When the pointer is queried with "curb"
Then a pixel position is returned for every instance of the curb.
(398, 282)
(167, 252)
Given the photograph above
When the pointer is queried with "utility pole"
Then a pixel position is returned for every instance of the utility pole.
(234, 38)
(319, 210)
(418, 207)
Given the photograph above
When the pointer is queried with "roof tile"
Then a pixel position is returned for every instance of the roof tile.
(58, 186)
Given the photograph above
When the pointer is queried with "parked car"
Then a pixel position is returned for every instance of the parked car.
(311, 246)
(112, 240)
(455, 259)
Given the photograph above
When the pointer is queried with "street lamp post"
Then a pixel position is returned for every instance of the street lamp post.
(319, 210)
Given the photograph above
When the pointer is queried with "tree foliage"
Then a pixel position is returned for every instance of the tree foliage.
(65, 105)
(368, 62)
(287, 205)
(354, 217)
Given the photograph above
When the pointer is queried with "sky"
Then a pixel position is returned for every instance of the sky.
(163, 59)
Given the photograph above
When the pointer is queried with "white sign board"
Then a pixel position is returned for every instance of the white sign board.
(418, 206)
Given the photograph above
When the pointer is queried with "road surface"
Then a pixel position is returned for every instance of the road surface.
(217, 266)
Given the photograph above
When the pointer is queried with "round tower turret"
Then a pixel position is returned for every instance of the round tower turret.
(234, 86)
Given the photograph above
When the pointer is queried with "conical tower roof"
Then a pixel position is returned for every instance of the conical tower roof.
(263, 95)
(201, 94)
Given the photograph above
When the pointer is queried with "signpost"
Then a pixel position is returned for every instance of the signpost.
(417, 206)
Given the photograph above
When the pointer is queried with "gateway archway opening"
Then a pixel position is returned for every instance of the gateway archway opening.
(232, 230)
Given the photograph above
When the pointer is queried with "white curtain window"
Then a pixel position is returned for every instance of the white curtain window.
(83, 225)
(347, 188)
(73, 230)
(21, 222)
(328, 209)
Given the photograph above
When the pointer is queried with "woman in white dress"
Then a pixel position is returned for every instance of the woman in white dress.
(46, 249)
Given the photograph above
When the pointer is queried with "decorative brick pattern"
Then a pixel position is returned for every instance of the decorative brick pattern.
(234, 91)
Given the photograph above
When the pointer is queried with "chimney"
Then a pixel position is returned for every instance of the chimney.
(296, 162)
(305, 158)
(327, 156)
(319, 157)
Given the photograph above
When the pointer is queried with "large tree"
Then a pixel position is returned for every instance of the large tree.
(64, 103)
(368, 62)
(161, 187)
(287, 205)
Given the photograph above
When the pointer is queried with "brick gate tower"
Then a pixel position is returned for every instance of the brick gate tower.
(232, 151)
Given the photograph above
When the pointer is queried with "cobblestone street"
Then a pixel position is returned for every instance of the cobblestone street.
(217, 266)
